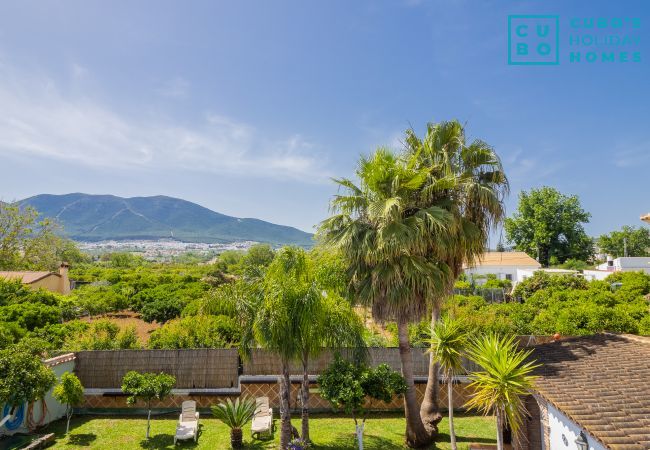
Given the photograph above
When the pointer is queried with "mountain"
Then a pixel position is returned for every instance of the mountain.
(106, 217)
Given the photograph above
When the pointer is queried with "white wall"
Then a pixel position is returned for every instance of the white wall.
(560, 425)
(499, 271)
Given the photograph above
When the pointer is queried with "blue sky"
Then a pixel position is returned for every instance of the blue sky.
(248, 107)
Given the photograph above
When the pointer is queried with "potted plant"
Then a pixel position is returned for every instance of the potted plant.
(235, 415)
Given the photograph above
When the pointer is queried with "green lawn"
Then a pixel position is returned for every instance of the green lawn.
(328, 432)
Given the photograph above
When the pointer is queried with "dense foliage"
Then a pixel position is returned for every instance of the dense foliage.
(563, 304)
(30, 242)
(548, 225)
(636, 241)
(23, 377)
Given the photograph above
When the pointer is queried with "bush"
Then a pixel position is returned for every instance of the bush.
(197, 332)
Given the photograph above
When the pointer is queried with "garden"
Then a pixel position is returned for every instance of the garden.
(329, 432)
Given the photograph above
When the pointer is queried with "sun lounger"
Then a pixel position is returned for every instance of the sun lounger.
(188, 423)
(262, 423)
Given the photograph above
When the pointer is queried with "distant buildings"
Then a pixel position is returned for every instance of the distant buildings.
(53, 282)
(622, 264)
(505, 265)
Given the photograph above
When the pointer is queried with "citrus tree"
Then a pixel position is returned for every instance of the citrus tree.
(23, 376)
(347, 386)
(69, 392)
(147, 387)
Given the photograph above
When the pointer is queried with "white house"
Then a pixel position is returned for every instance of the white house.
(626, 264)
(505, 265)
(591, 394)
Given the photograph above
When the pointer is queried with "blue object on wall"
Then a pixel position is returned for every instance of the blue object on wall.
(17, 421)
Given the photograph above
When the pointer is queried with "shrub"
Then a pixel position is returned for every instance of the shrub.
(197, 332)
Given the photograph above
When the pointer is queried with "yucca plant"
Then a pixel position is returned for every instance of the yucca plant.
(505, 379)
(235, 415)
(448, 343)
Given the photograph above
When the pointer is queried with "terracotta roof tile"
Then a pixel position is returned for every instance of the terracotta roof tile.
(505, 259)
(26, 276)
(600, 382)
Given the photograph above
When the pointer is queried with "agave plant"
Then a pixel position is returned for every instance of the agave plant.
(235, 415)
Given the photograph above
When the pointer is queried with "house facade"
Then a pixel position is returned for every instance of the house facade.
(505, 265)
(626, 264)
(592, 393)
(51, 281)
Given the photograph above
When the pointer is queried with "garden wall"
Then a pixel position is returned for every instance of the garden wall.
(193, 369)
(211, 375)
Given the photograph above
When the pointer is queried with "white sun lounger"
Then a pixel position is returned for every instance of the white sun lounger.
(188, 422)
(262, 423)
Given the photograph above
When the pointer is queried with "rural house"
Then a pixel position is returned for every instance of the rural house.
(592, 394)
(51, 281)
(505, 265)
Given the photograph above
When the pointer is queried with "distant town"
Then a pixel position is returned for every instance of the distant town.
(163, 250)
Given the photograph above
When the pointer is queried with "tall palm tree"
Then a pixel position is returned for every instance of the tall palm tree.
(505, 379)
(301, 314)
(384, 235)
(288, 303)
(467, 180)
(448, 343)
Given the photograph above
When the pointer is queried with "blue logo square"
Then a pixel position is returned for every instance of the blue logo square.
(533, 40)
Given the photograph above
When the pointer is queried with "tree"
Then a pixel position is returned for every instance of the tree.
(235, 415)
(29, 243)
(505, 379)
(299, 289)
(629, 241)
(549, 224)
(70, 392)
(385, 230)
(23, 376)
(347, 386)
(147, 387)
(467, 180)
(448, 343)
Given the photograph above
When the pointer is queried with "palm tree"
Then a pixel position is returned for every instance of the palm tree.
(384, 235)
(448, 342)
(235, 416)
(505, 379)
(468, 181)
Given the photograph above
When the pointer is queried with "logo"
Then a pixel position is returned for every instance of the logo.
(533, 40)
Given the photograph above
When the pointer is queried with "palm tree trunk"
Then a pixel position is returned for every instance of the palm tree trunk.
(305, 397)
(416, 435)
(285, 414)
(499, 430)
(429, 411)
(450, 406)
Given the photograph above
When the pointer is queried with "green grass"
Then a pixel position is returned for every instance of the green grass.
(328, 432)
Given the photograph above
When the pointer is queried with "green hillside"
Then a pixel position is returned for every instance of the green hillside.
(104, 217)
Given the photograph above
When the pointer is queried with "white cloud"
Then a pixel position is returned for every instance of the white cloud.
(633, 155)
(39, 120)
(79, 71)
(175, 88)
(527, 166)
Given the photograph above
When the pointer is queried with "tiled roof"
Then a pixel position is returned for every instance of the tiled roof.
(26, 277)
(505, 259)
(602, 383)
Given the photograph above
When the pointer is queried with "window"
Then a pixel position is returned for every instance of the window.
(509, 276)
